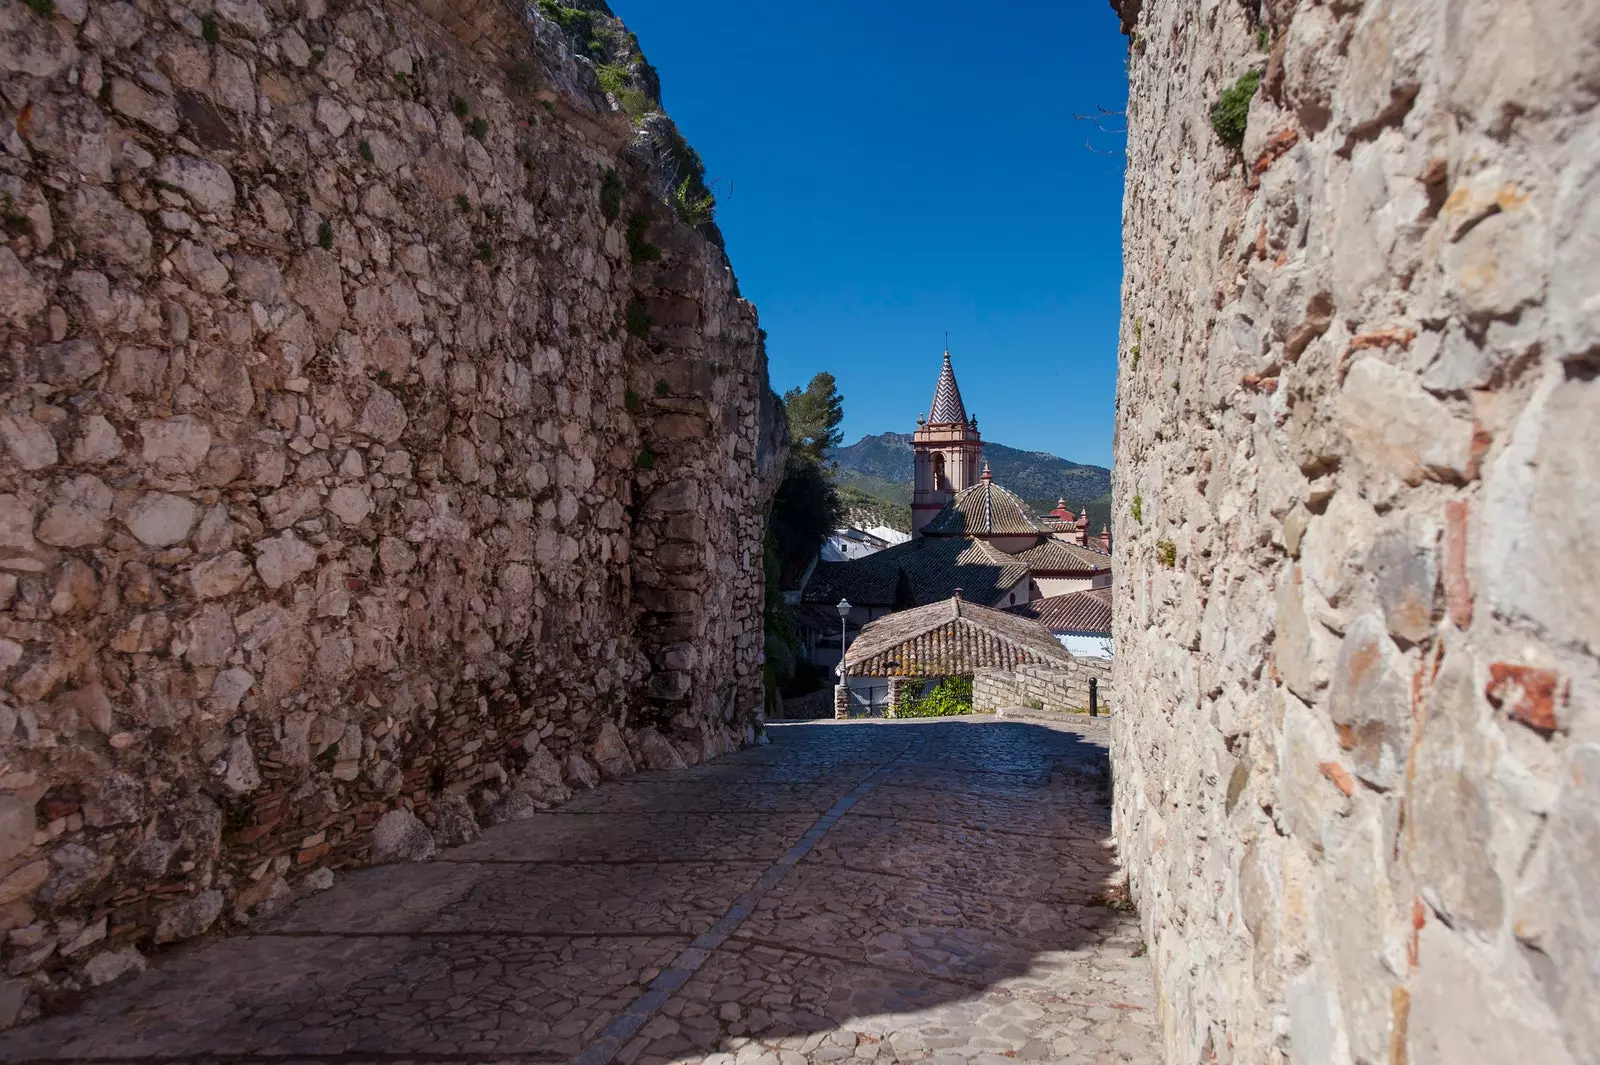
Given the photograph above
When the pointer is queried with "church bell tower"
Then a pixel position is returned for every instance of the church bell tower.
(947, 447)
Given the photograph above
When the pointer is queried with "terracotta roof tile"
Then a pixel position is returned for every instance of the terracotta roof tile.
(950, 638)
(1050, 555)
(911, 574)
(1086, 613)
(985, 509)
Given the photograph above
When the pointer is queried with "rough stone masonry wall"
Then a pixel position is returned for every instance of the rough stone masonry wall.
(351, 463)
(1058, 690)
(1358, 586)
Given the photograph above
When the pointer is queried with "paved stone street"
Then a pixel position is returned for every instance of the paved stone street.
(888, 891)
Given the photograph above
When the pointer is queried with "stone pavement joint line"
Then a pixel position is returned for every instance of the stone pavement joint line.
(623, 1028)
(864, 893)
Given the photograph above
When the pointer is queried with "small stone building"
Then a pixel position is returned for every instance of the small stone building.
(945, 639)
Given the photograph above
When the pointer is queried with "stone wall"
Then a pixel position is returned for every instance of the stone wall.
(818, 704)
(1057, 690)
(1358, 442)
(380, 451)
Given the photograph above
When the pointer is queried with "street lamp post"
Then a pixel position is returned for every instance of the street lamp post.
(841, 694)
(844, 613)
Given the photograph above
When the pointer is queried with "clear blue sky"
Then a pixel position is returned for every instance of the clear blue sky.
(899, 169)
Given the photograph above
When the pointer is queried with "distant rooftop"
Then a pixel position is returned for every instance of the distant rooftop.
(919, 572)
(950, 638)
(1076, 613)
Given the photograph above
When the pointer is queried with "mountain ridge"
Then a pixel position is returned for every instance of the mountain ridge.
(880, 465)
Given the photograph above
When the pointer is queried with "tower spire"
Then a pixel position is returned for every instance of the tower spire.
(947, 406)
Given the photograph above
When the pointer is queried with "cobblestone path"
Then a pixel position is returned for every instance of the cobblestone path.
(898, 891)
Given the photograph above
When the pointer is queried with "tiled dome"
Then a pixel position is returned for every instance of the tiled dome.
(985, 509)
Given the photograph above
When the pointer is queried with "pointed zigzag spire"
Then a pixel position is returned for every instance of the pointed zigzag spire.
(947, 405)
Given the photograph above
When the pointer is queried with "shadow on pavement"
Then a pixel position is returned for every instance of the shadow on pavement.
(955, 909)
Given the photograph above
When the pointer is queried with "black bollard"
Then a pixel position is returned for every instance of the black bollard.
(1094, 696)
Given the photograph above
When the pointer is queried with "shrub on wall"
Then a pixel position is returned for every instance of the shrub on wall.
(1231, 112)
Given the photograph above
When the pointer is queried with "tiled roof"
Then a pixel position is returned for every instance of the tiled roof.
(1050, 555)
(911, 574)
(950, 638)
(1085, 613)
(947, 406)
(985, 509)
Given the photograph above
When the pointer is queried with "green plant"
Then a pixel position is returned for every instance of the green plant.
(1138, 340)
(491, 212)
(587, 36)
(638, 320)
(1264, 39)
(617, 80)
(384, 376)
(612, 76)
(485, 251)
(611, 195)
(641, 250)
(325, 234)
(630, 400)
(646, 460)
(208, 28)
(43, 7)
(1231, 113)
(366, 151)
(462, 203)
(1036, 704)
(479, 127)
(662, 388)
(461, 107)
(693, 209)
(691, 190)
(634, 101)
(1166, 553)
(317, 55)
(550, 106)
(1136, 508)
(951, 696)
(329, 755)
